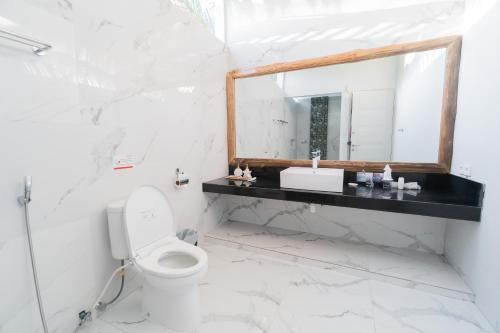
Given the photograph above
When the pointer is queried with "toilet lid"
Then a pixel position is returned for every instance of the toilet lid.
(148, 218)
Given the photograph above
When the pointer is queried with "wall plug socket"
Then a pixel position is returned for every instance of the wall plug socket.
(464, 170)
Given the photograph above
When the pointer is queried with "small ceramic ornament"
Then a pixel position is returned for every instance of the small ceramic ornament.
(238, 172)
(247, 173)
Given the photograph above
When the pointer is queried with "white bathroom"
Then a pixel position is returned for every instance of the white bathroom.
(249, 166)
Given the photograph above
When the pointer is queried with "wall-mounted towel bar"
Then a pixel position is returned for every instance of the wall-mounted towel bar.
(37, 47)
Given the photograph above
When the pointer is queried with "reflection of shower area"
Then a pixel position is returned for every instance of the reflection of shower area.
(318, 132)
(318, 125)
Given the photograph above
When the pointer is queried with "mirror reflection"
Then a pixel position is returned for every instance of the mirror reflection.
(370, 110)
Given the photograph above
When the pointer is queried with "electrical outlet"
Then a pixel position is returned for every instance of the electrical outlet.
(465, 170)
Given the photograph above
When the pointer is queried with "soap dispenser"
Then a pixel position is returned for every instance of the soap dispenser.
(387, 180)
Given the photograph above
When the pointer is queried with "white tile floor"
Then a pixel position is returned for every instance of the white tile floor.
(246, 291)
(404, 267)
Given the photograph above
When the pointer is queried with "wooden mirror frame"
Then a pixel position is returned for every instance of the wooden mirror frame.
(453, 45)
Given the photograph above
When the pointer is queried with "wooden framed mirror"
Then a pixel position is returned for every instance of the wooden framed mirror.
(359, 110)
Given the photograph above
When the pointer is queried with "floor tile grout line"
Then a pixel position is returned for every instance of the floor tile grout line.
(470, 295)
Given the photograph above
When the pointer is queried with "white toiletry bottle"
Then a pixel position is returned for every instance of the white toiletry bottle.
(401, 183)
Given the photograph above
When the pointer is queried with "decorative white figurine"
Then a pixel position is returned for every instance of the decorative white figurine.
(247, 173)
(238, 172)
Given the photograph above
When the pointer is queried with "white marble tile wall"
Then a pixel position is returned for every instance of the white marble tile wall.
(358, 225)
(259, 33)
(125, 77)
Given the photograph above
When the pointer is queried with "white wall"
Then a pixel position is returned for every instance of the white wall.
(474, 248)
(364, 75)
(263, 32)
(418, 105)
(122, 79)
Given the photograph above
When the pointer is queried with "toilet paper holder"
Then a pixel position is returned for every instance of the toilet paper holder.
(181, 179)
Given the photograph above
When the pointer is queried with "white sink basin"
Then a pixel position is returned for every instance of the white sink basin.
(322, 179)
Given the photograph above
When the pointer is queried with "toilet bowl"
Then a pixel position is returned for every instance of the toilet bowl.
(142, 228)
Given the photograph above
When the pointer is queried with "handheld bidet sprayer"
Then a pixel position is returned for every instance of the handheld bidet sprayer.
(23, 200)
(27, 188)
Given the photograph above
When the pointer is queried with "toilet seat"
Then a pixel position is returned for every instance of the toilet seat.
(153, 261)
(150, 231)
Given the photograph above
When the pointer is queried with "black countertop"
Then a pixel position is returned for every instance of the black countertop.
(445, 196)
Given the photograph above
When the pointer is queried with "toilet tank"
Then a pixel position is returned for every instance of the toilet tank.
(119, 247)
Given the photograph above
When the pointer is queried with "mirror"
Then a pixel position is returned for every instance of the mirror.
(366, 108)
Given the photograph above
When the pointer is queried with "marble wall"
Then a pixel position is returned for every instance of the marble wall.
(144, 79)
(281, 30)
(362, 226)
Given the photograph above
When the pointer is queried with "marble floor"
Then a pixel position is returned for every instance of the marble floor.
(245, 291)
(403, 267)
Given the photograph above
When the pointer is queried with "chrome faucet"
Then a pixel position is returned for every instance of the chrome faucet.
(316, 156)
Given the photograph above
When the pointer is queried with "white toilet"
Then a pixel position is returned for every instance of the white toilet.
(142, 228)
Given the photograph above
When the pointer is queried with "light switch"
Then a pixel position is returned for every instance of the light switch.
(465, 170)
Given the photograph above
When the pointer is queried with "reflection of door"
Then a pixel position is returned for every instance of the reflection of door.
(371, 133)
(345, 125)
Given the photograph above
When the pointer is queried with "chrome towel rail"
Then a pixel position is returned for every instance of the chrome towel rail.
(37, 47)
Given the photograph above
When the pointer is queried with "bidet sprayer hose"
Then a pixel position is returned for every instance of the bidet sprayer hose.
(101, 295)
(104, 305)
(24, 200)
